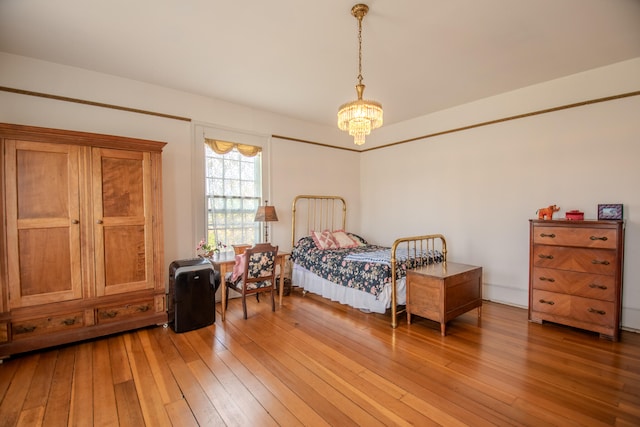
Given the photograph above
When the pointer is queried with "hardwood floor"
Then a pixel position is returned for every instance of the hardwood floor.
(314, 362)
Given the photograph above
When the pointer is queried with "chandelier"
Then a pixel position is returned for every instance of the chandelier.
(359, 117)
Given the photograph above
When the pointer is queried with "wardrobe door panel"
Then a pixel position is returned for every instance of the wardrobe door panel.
(43, 222)
(123, 221)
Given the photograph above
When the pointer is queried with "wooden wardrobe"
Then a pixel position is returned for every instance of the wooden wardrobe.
(81, 232)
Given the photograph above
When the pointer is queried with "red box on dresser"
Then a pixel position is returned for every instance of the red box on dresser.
(574, 215)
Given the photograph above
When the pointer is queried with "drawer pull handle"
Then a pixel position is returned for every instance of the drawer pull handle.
(25, 329)
(603, 238)
(595, 286)
(109, 314)
(600, 312)
(596, 261)
(545, 256)
(548, 279)
(542, 301)
(143, 308)
(69, 322)
(548, 235)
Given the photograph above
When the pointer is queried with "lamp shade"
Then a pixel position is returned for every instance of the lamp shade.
(266, 214)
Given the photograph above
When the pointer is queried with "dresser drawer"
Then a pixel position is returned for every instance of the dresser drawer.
(593, 311)
(118, 312)
(49, 324)
(583, 310)
(551, 303)
(585, 237)
(596, 286)
(598, 261)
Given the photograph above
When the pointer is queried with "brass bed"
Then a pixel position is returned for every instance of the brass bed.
(318, 213)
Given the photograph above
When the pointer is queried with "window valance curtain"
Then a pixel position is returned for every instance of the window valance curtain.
(223, 147)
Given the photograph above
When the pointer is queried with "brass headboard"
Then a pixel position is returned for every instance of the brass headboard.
(322, 212)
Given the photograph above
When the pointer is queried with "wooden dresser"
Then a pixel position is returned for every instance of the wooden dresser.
(81, 233)
(575, 274)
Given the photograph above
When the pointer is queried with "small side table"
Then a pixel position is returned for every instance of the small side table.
(441, 292)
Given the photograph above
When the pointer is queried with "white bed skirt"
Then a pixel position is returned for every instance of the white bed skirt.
(355, 298)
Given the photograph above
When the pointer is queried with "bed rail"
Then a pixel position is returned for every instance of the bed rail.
(414, 245)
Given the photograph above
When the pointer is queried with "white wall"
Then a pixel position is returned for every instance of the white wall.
(296, 167)
(308, 169)
(479, 187)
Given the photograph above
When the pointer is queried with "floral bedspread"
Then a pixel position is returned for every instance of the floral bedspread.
(364, 268)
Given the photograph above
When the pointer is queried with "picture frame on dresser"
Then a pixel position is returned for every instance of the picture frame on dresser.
(609, 211)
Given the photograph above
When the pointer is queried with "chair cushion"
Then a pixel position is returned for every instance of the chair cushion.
(252, 285)
(260, 264)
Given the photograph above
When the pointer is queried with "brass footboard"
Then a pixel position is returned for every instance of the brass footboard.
(414, 246)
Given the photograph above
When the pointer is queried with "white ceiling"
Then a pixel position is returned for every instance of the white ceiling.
(299, 58)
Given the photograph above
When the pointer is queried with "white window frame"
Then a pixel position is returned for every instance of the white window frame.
(202, 131)
(233, 223)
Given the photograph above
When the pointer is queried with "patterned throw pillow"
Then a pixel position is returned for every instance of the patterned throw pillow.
(343, 240)
(324, 240)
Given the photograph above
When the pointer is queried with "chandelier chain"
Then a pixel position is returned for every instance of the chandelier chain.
(359, 49)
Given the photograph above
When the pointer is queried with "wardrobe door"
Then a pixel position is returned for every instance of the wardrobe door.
(43, 222)
(122, 215)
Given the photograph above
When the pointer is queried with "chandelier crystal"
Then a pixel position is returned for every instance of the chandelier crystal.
(360, 117)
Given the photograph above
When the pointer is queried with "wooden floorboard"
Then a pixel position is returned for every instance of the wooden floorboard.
(81, 407)
(315, 362)
(56, 412)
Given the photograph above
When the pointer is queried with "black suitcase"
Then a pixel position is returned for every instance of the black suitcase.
(191, 302)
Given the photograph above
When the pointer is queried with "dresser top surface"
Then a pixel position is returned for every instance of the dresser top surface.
(443, 269)
(573, 222)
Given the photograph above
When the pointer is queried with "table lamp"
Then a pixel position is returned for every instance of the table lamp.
(266, 214)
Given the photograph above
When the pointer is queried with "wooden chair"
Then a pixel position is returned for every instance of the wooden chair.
(259, 274)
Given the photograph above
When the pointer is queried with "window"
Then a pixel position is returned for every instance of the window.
(233, 190)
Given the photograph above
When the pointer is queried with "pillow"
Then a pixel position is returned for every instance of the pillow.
(359, 240)
(304, 246)
(343, 240)
(324, 240)
(238, 267)
(306, 243)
